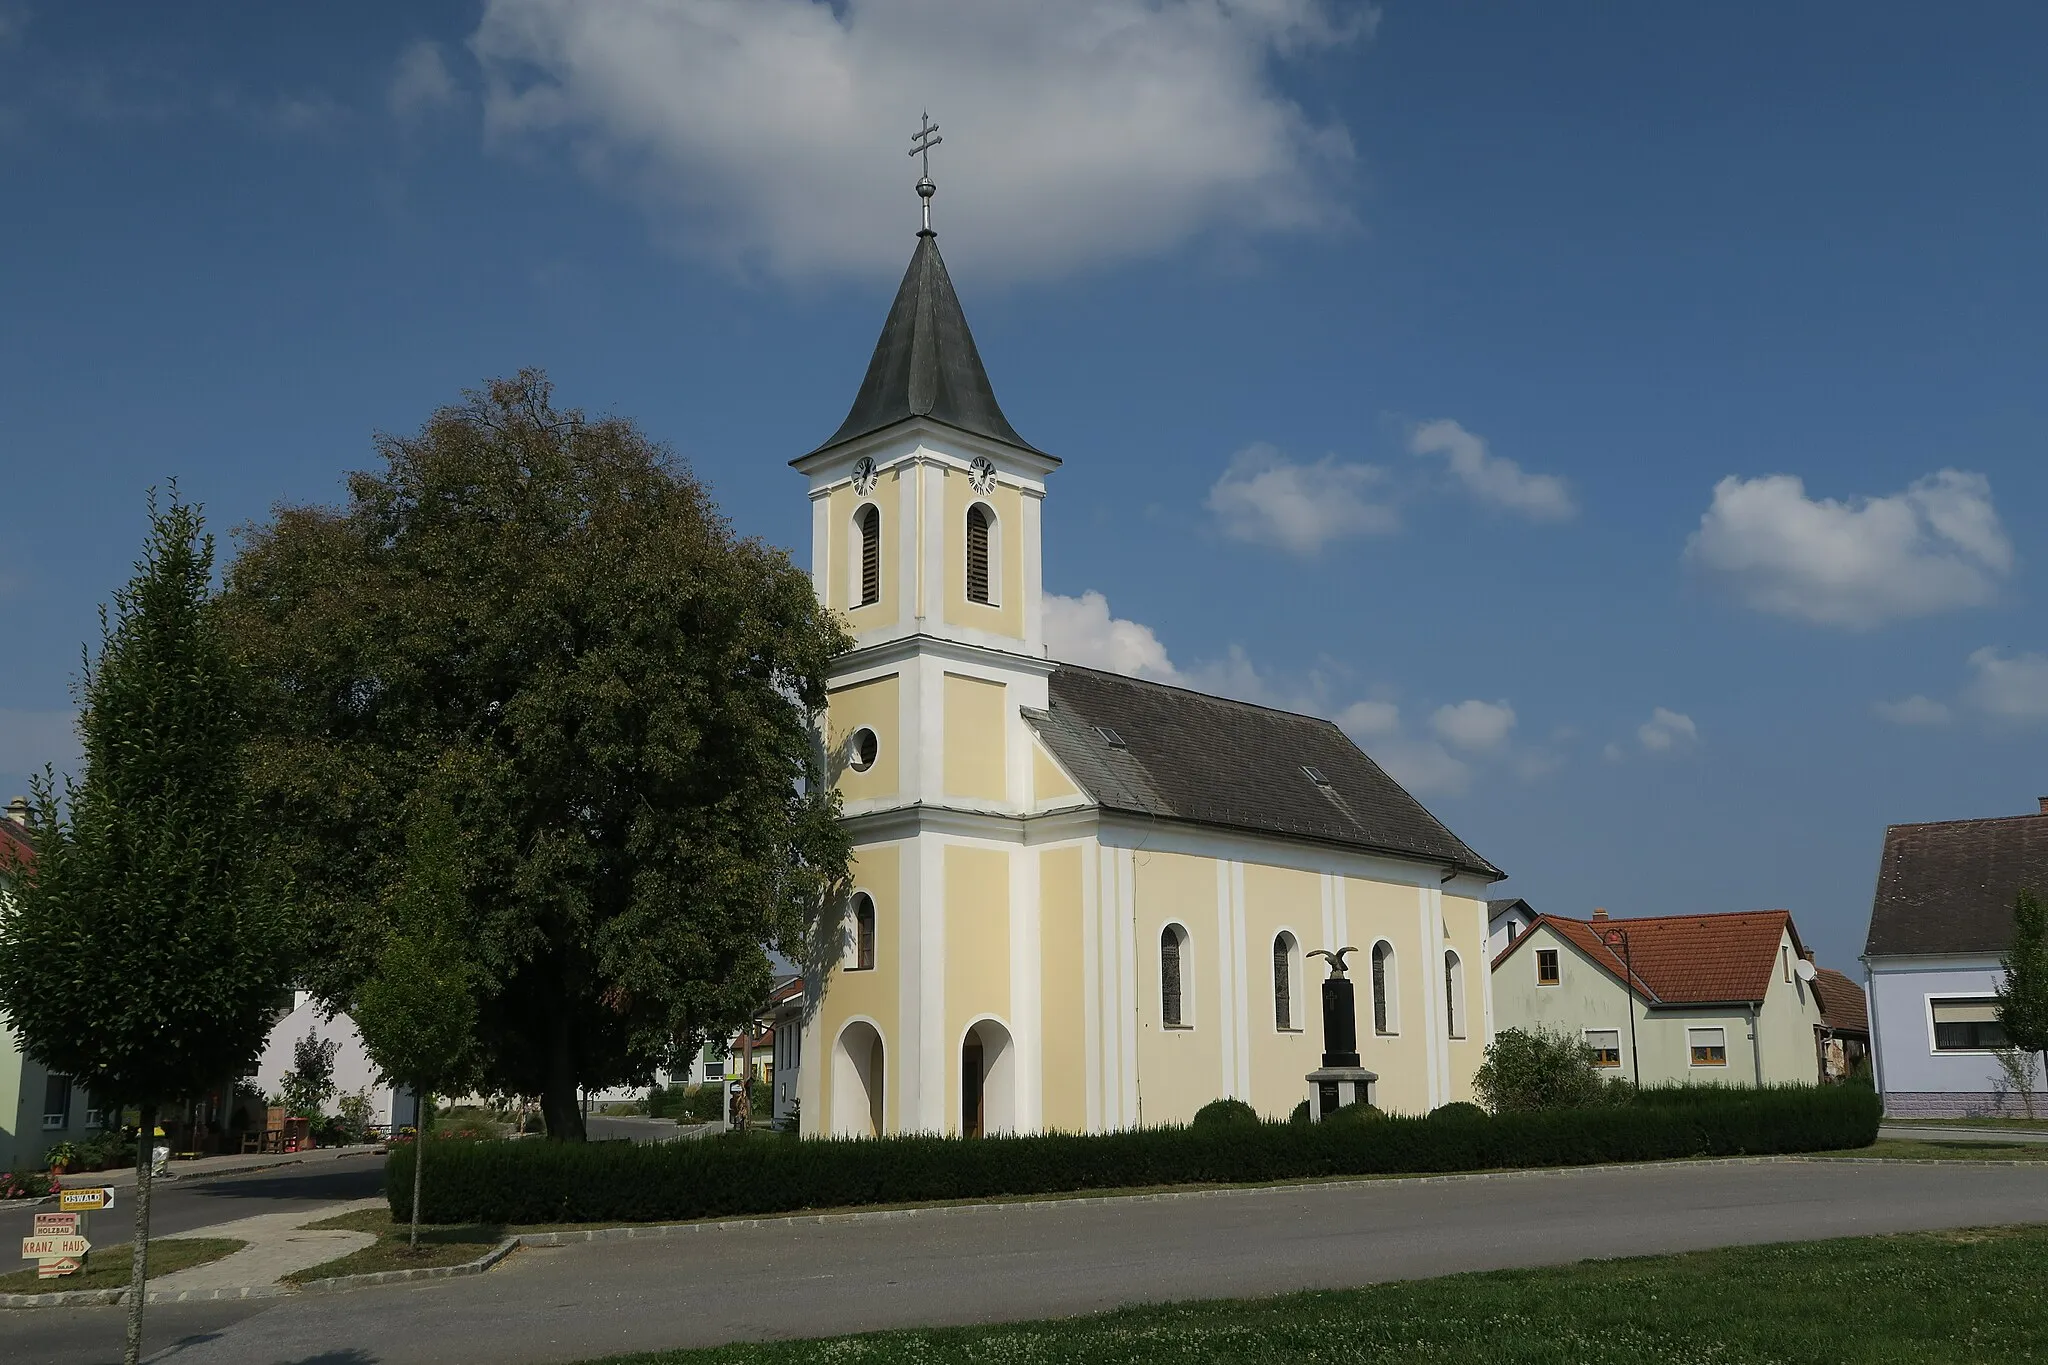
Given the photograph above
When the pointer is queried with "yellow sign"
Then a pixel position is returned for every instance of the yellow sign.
(97, 1197)
(49, 1248)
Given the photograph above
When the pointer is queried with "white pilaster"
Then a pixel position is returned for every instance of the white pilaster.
(900, 1067)
(1127, 917)
(821, 544)
(1032, 558)
(1025, 981)
(1431, 967)
(1226, 1050)
(1092, 975)
(931, 973)
(1241, 1021)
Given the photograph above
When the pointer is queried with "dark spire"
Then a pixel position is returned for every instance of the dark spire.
(925, 364)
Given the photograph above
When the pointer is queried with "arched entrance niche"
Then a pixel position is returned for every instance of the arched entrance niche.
(988, 1080)
(858, 1073)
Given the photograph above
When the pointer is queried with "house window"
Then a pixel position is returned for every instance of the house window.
(869, 522)
(863, 933)
(1709, 1046)
(1454, 995)
(56, 1103)
(978, 520)
(1546, 966)
(863, 749)
(1967, 1025)
(1606, 1046)
(1386, 1018)
(1785, 960)
(1173, 943)
(1513, 929)
(1283, 983)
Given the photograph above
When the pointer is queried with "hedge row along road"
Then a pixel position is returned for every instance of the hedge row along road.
(544, 1182)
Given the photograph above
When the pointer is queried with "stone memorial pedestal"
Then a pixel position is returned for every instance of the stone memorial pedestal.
(1330, 1088)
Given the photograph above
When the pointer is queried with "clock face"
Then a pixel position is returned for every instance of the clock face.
(864, 476)
(982, 474)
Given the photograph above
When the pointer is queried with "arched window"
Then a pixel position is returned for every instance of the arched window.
(1173, 943)
(1454, 995)
(977, 553)
(869, 522)
(1284, 957)
(1386, 1013)
(863, 933)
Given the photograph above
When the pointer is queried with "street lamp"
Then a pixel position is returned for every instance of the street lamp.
(1610, 937)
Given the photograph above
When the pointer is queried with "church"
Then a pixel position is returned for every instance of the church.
(1081, 901)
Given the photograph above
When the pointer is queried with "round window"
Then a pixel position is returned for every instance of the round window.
(862, 750)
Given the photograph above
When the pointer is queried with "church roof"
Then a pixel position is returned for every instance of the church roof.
(926, 365)
(1149, 749)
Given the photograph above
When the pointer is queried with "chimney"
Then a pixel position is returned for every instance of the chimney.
(1599, 912)
(17, 809)
(2044, 804)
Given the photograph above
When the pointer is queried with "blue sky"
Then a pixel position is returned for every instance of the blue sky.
(1628, 421)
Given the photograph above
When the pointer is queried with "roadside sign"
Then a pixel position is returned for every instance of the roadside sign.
(94, 1197)
(57, 1224)
(60, 1265)
(49, 1248)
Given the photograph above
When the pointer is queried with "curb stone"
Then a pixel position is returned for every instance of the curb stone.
(583, 1236)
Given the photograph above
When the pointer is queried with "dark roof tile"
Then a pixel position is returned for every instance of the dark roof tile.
(1212, 761)
(1950, 887)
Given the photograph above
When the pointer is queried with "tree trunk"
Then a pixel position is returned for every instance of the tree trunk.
(138, 1274)
(558, 1102)
(422, 1109)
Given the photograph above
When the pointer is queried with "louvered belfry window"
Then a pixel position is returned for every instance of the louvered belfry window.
(977, 553)
(1169, 978)
(870, 556)
(863, 934)
(1283, 984)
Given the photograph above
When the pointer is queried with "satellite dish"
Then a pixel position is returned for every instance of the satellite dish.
(1804, 970)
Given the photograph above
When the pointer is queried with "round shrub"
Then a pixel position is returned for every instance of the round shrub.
(1226, 1114)
(1457, 1110)
(1358, 1111)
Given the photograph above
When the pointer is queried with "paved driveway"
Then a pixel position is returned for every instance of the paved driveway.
(790, 1278)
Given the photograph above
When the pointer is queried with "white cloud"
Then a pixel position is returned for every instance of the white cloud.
(1363, 720)
(420, 80)
(1493, 479)
(1083, 630)
(30, 739)
(1080, 630)
(772, 133)
(1266, 498)
(2010, 688)
(1913, 710)
(1666, 730)
(1934, 547)
(1476, 725)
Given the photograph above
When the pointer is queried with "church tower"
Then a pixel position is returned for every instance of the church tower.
(925, 540)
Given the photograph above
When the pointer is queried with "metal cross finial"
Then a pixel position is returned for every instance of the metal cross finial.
(921, 144)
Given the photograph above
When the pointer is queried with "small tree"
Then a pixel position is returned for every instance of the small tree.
(305, 1088)
(145, 955)
(417, 1010)
(1539, 1069)
(2023, 996)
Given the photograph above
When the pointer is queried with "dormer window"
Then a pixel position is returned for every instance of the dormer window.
(1110, 737)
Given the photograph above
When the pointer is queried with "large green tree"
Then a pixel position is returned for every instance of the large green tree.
(549, 608)
(146, 953)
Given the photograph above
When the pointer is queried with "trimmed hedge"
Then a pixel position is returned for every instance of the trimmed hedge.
(535, 1181)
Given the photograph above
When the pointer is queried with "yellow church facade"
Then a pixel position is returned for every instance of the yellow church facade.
(1083, 902)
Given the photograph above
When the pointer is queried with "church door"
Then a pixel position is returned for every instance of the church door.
(971, 1109)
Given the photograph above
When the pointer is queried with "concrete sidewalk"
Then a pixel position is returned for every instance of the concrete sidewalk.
(280, 1244)
(1905, 1130)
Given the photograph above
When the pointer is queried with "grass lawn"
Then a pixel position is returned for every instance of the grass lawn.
(2039, 1124)
(1937, 1297)
(439, 1245)
(107, 1267)
(1933, 1149)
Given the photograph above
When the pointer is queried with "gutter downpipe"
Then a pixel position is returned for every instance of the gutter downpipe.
(1756, 1047)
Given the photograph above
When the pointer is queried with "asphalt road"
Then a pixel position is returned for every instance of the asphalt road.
(195, 1202)
(788, 1278)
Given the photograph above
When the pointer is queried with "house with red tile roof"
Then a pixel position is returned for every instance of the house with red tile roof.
(1725, 999)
